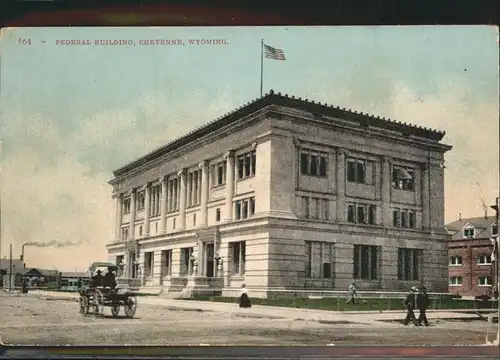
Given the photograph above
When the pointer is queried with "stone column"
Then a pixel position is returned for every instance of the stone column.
(204, 193)
(118, 228)
(147, 212)
(182, 200)
(229, 157)
(163, 208)
(132, 215)
(425, 186)
(340, 186)
(386, 192)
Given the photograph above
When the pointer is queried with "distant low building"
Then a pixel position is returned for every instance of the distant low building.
(470, 265)
(18, 267)
(41, 277)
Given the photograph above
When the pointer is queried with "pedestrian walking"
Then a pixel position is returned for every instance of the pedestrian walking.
(244, 299)
(423, 303)
(411, 305)
(351, 292)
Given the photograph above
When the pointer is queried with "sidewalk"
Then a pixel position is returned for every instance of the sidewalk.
(273, 312)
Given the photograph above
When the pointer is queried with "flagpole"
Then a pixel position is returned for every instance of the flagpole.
(261, 65)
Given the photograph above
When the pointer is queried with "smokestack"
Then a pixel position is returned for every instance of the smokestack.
(459, 216)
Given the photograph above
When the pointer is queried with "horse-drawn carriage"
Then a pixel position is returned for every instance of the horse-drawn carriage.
(94, 297)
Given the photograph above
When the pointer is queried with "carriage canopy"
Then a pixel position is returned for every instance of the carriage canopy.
(101, 265)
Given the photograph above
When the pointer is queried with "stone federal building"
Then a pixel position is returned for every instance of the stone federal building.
(285, 193)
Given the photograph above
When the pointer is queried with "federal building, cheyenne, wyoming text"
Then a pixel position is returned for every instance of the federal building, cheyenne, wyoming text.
(145, 42)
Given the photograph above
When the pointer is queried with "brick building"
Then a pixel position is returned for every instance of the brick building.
(285, 193)
(471, 272)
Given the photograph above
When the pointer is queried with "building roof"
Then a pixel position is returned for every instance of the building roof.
(70, 274)
(482, 224)
(272, 98)
(5, 264)
(42, 272)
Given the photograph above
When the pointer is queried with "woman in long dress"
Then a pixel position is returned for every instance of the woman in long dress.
(244, 299)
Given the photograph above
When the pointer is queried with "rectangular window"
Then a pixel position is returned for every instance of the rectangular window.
(456, 260)
(316, 208)
(484, 281)
(396, 218)
(244, 208)
(305, 207)
(313, 163)
(166, 263)
(140, 230)
(326, 209)
(356, 171)
(361, 213)
(186, 263)
(237, 249)
(319, 259)
(246, 165)
(409, 264)
(125, 233)
(126, 205)
(219, 174)
(404, 219)
(141, 199)
(217, 215)
(365, 262)
(469, 233)
(456, 281)
(194, 219)
(403, 178)
(154, 204)
(148, 264)
(484, 259)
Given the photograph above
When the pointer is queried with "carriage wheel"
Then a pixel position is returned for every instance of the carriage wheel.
(98, 303)
(84, 306)
(130, 306)
(115, 310)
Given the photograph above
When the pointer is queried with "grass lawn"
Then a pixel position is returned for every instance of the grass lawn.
(339, 304)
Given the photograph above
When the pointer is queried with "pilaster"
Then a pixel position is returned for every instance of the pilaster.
(163, 208)
(386, 192)
(118, 199)
(229, 157)
(340, 186)
(204, 193)
(147, 212)
(132, 215)
(182, 201)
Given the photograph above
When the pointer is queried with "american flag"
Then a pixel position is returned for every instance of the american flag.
(274, 53)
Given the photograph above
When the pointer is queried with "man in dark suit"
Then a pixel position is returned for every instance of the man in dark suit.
(423, 303)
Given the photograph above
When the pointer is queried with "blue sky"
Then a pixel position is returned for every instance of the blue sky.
(72, 114)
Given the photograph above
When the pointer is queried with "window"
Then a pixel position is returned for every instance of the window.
(219, 174)
(365, 262)
(484, 281)
(166, 263)
(313, 163)
(403, 218)
(246, 165)
(194, 219)
(316, 208)
(217, 215)
(173, 223)
(194, 188)
(484, 259)
(186, 263)
(155, 204)
(456, 281)
(469, 232)
(403, 178)
(305, 207)
(237, 249)
(173, 194)
(361, 213)
(356, 171)
(244, 208)
(125, 233)
(141, 199)
(148, 264)
(126, 205)
(140, 230)
(409, 264)
(326, 209)
(455, 260)
(319, 259)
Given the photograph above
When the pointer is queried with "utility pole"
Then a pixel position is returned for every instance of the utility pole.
(10, 268)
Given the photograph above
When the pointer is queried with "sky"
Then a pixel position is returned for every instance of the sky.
(72, 114)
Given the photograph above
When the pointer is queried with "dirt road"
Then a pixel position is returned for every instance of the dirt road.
(28, 320)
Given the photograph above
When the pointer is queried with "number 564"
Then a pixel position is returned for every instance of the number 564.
(23, 41)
